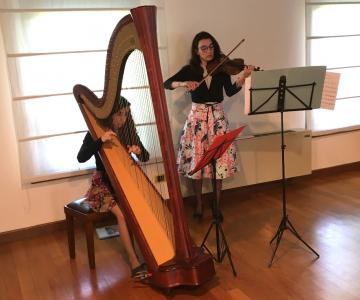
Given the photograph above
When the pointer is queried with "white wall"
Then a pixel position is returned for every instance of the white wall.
(274, 33)
(22, 207)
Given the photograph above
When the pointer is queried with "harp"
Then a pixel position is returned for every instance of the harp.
(157, 221)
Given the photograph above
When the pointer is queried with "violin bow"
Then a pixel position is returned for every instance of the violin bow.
(222, 61)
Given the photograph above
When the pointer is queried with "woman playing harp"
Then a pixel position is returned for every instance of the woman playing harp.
(156, 219)
(100, 196)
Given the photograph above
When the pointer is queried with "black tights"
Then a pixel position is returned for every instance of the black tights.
(198, 193)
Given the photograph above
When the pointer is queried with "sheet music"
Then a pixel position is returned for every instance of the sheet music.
(331, 85)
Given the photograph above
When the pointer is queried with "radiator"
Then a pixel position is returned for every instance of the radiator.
(259, 158)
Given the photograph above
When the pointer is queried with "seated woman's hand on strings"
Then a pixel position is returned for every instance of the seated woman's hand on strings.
(107, 136)
(134, 149)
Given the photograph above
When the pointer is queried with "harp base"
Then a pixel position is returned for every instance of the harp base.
(194, 272)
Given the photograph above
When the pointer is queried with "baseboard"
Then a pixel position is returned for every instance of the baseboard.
(355, 166)
(24, 233)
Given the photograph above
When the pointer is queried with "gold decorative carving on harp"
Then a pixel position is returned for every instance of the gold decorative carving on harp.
(158, 222)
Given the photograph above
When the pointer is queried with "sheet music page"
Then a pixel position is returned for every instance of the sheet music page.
(331, 85)
(247, 95)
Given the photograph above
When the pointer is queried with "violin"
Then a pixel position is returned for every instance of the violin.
(227, 65)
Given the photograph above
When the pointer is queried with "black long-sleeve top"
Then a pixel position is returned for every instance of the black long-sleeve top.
(89, 148)
(92, 147)
(204, 94)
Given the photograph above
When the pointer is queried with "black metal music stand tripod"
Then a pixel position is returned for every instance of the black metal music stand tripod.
(215, 151)
(282, 88)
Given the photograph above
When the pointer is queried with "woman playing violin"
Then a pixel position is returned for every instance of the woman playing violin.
(206, 118)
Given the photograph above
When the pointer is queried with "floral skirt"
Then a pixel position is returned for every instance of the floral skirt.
(203, 124)
(99, 196)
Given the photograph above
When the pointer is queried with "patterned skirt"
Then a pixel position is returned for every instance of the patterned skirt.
(203, 124)
(99, 196)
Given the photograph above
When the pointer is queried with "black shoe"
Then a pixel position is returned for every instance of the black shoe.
(138, 270)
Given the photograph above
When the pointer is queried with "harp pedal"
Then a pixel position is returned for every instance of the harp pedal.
(142, 276)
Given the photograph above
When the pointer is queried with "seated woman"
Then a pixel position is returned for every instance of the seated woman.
(100, 196)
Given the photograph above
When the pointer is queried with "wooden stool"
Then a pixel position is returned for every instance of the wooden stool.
(88, 218)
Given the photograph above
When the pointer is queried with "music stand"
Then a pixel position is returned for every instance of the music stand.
(302, 89)
(220, 144)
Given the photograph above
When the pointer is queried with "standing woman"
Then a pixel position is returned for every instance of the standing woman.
(100, 196)
(206, 118)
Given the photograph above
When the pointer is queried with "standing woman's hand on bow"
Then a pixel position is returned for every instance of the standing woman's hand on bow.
(189, 85)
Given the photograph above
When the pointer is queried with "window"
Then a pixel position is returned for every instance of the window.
(49, 50)
(333, 40)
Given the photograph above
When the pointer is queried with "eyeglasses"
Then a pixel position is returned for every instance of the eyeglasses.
(205, 48)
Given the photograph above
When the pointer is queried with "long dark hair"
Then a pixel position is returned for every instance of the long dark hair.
(119, 103)
(195, 58)
(127, 133)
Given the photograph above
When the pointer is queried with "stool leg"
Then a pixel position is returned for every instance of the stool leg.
(70, 233)
(89, 231)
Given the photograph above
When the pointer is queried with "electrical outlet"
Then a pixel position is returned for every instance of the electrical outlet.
(160, 178)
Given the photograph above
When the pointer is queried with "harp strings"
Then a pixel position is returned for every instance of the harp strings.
(163, 209)
(145, 133)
